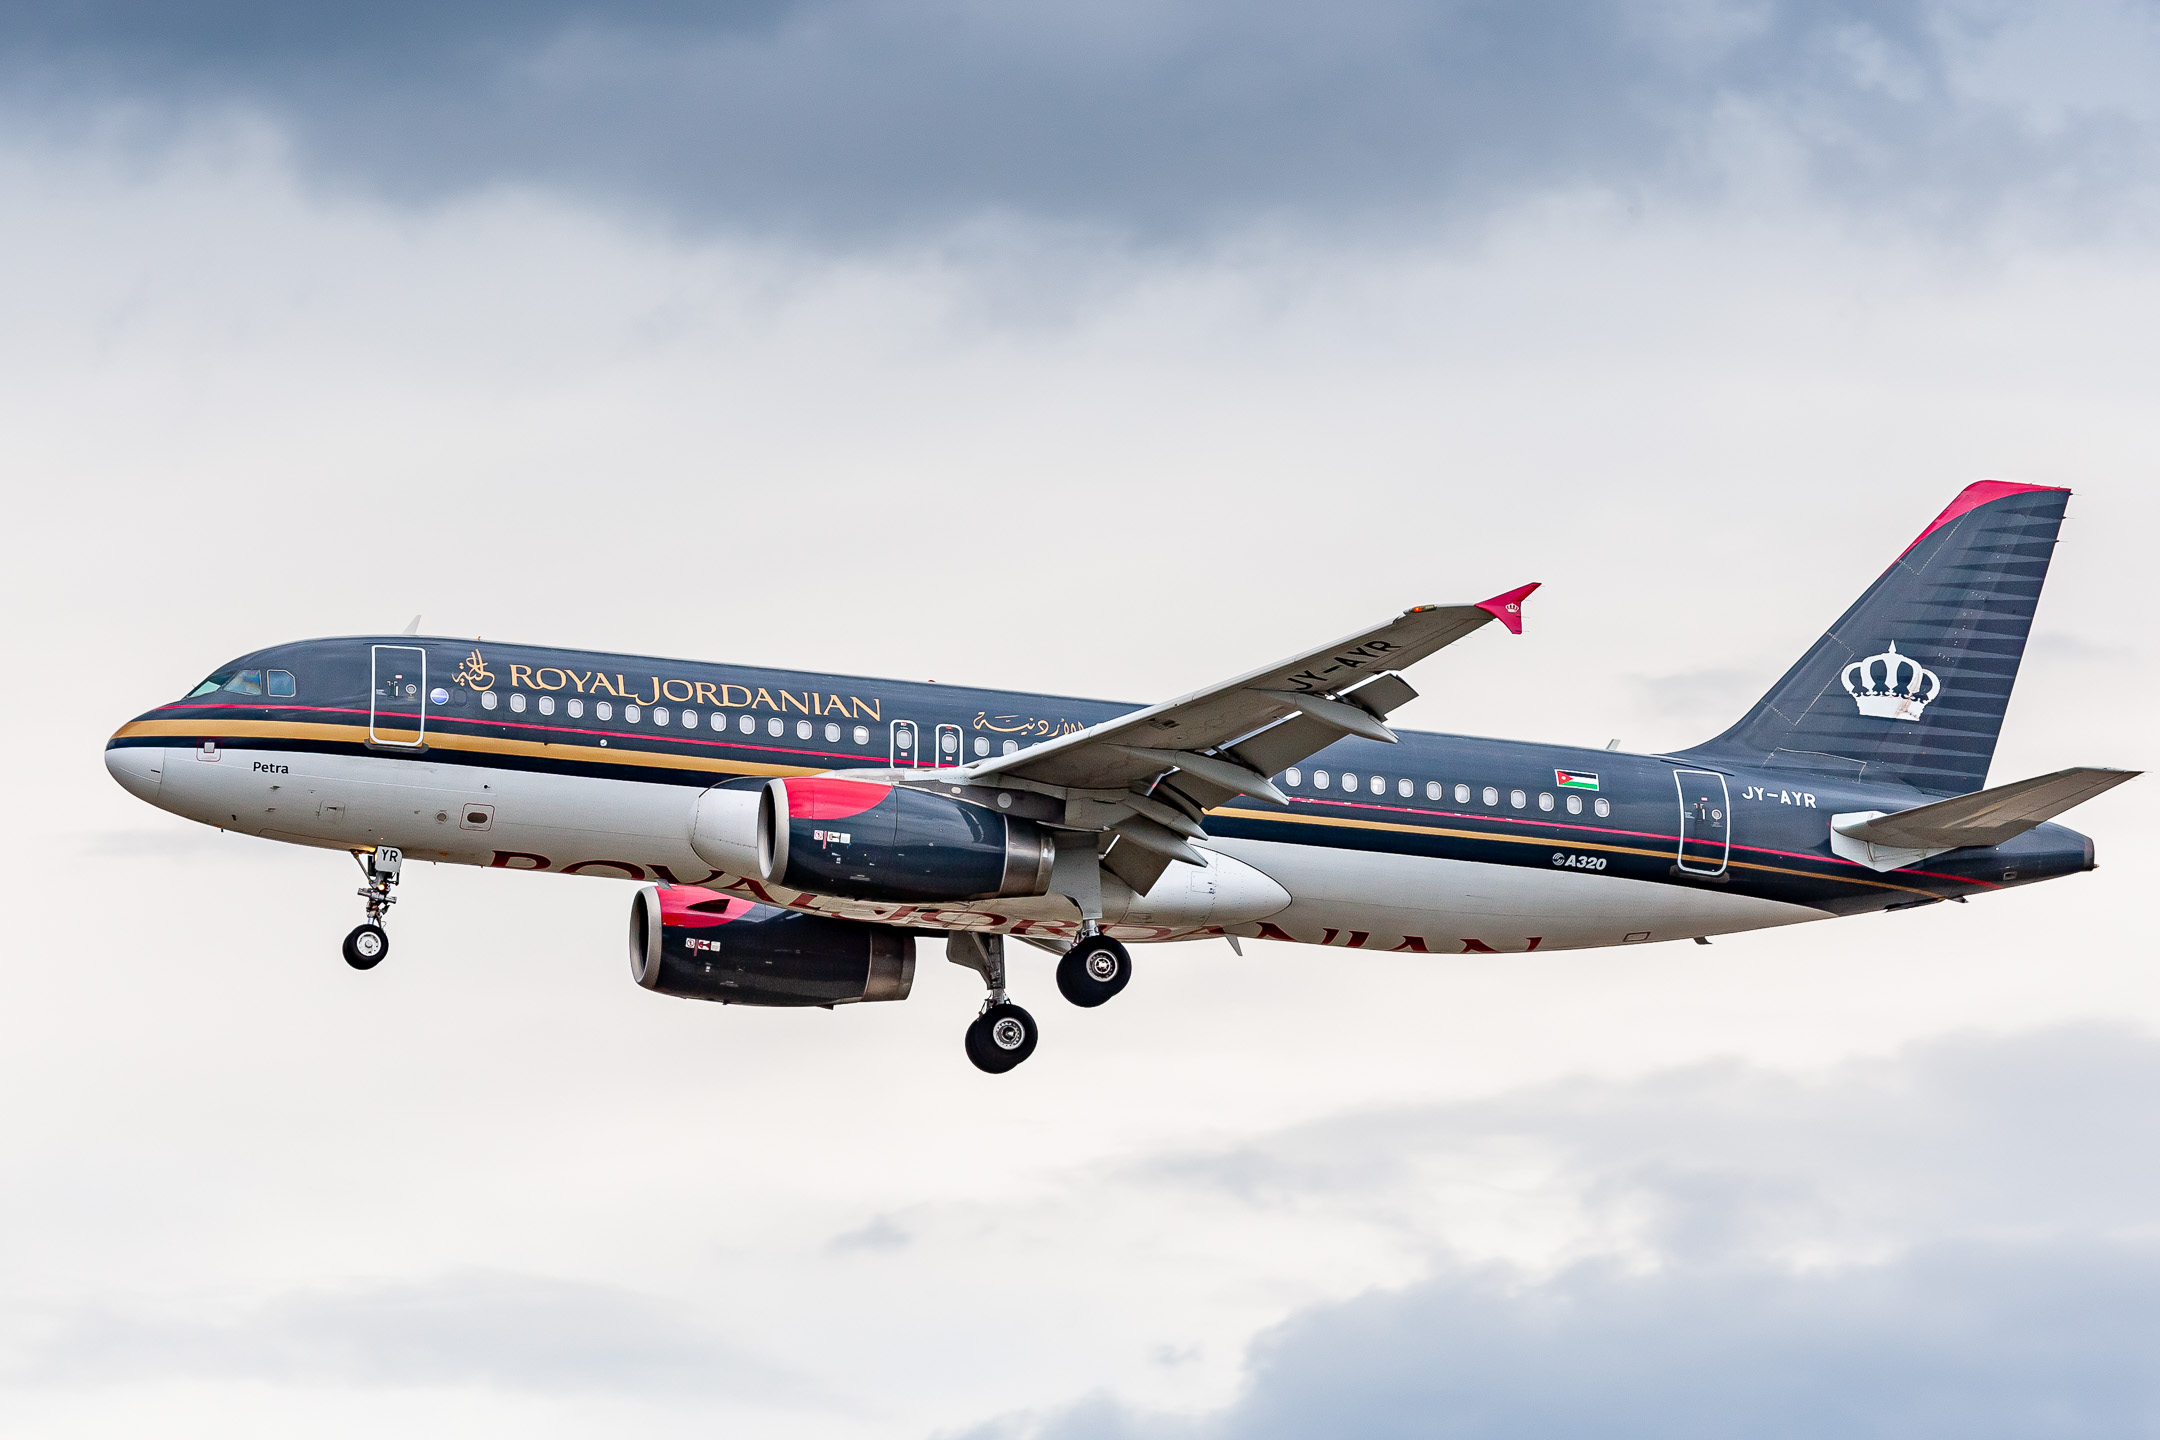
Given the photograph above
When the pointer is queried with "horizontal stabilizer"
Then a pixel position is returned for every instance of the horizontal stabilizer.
(1986, 817)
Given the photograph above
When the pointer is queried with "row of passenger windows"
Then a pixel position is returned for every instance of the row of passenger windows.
(1434, 790)
(662, 715)
(776, 727)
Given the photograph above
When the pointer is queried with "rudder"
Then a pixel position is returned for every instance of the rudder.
(1911, 684)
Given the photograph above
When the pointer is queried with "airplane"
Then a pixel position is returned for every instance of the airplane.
(797, 833)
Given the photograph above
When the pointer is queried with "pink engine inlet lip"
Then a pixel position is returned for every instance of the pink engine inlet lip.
(825, 798)
(690, 907)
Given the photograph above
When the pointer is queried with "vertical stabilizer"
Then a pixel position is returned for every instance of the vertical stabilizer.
(1911, 684)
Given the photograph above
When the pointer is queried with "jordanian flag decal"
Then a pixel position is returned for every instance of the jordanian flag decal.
(1574, 779)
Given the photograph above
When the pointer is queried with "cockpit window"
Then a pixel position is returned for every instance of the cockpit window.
(280, 683)
(247, 682)
(212, 685)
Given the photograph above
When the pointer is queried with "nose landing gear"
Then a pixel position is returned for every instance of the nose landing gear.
(366, 946)
(1003, 1035)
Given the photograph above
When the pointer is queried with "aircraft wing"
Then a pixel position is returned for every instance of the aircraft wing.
(1152, 774)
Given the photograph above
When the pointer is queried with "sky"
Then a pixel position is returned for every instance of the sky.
(1102, 350)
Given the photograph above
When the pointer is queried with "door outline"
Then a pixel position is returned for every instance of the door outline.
(908, 756)
(959, 748)
(1705, 820)
(375, 669)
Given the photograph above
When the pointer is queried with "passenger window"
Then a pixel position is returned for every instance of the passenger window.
(547, 704)
(1010, 747)
(862, 734)
(1544, 801)
(747, 724)
(1491, 796)
(802, 729)
(487, 700)
(776, 727)
(1433, 790)
(1349, 781)
(689, 719)
(832, 734)
(1574, 804)
(1293, 777)
(1603, 808)
(1319, 779)
(1517, 799)
(982, 744)
(575, 707)
(659, 715)
(1462, 794)
(1404, 788)
(604, 710)
(281, 684)
(517, 702)
(630, 714)
(248, 682)
(1379, 786)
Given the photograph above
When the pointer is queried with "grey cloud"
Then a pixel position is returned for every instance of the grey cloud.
(2043, 1133)
(882, 1232)
(857, 119)
(1973, 1341)
(505, 1331)
(1957, 1241)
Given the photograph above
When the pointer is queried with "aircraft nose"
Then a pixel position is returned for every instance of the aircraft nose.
(140, 769)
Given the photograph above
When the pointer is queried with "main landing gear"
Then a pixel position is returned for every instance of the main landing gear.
(1095, 969)
(367, 944)
(1003, 1035)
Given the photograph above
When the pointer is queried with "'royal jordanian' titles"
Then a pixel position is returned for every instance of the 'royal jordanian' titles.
(796, 834)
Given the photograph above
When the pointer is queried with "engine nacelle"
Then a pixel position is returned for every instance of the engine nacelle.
(705, 945)
(868, 841)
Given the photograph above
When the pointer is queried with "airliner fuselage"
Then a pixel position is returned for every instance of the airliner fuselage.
(799, 831)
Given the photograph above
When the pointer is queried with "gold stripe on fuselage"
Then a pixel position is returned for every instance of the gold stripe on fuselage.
(452, 740)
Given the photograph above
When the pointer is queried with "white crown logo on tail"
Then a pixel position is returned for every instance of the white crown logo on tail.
(1891, 686)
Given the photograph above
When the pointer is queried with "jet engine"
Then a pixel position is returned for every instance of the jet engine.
(868, 841)
(705, 945)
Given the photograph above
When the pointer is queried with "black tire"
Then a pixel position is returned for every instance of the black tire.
(366, 946)
(1000, 1038)
(1093, 971)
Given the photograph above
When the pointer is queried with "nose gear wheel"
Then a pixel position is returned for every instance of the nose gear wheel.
(366, 946)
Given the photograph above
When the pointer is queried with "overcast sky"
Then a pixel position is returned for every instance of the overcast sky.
(1106, 350)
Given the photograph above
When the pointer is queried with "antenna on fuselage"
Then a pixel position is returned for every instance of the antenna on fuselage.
(414, 627)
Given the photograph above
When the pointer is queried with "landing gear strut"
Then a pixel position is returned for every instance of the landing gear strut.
(1003, 1035)
(367, 944)
(1095, 969)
